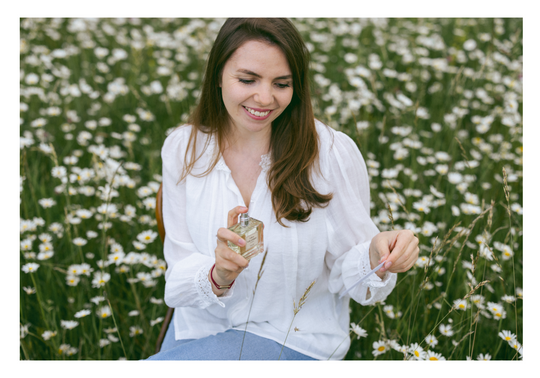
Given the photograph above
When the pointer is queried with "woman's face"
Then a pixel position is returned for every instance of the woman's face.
(256, 86)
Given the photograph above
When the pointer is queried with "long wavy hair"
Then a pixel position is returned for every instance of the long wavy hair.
(294, 141)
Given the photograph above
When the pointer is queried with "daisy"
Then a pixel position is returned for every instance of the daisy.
(29, 290)
(97, 300)
(495, 307)
(59, 172)
(45, 255)
(82, 313)
(104, 312)
(69, 324)
(74, 269)
(26, 244)
(431, 340)
(460, 304)
(421, 207)
(508, 298)
(30, 267)
(507, 335)
(478, 300)
(417, 352)
(48, 334)
(72, 280)
(79, 241)
(45, 247)
(360, 332)
(158, 320)
(116, 258)
(91, 234)
(144, 191)
(507, 253)
(379, 347)
(47, 202)
(45, 238)
(135, 331)
(432, 356)
(139, 246)
(446, 330)
(84, 214)
(484, 357)
(147, 236)
(100, 278)
(389, 311)
(514, 344)
(149, 203)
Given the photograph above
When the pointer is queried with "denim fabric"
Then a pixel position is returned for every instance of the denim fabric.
(224, 346)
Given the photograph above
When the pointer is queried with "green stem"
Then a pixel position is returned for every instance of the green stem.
(283, 346)
(38, 294)
(116, 325)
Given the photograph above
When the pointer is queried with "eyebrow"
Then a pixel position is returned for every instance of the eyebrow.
(257, 75)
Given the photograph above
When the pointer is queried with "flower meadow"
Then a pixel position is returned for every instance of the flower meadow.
(435, 106)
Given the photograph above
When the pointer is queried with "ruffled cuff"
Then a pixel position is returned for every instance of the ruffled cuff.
(204, 288)
(357, 265)
(364, 267)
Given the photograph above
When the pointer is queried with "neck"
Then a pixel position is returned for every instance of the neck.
(249, 143)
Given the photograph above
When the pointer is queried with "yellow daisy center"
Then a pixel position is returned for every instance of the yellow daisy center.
(433, 358)
(381, 348)
(416, 353)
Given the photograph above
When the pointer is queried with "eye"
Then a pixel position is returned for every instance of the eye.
(283, 85)
(245, 81)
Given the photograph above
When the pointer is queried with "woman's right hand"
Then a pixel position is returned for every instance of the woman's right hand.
(229, 264)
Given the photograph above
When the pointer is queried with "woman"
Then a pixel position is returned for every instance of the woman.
(253, 142)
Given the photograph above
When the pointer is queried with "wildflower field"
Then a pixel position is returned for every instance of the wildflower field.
(435, 106)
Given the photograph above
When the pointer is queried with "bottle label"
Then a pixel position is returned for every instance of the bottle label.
(252, 237)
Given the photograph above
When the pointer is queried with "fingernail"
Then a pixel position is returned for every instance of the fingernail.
(241, 241)
(387, 265)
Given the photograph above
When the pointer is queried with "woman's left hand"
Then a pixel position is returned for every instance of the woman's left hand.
(398, 248)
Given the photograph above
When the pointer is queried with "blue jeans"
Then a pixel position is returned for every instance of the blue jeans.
(224, 346)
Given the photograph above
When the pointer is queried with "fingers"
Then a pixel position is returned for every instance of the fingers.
(224, 235)
(403, 254)
(226, 259)
(406, 260)
(232, 217)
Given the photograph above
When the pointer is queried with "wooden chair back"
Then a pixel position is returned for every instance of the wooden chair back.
(161, 231)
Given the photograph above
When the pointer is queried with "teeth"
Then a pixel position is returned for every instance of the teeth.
(256, 113)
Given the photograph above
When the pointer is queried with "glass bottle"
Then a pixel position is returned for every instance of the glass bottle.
(251, 230)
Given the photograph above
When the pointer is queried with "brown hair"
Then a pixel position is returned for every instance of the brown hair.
(294, 140)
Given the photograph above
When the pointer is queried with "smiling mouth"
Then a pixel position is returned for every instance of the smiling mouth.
(256, 113)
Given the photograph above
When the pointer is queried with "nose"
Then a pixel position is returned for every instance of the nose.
(264, 95)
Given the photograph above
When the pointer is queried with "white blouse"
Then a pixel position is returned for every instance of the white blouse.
(331, 249)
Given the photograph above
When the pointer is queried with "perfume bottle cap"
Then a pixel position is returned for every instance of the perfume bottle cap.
(244, 219)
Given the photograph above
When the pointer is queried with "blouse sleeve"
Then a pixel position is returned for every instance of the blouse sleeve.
(186, 278)
(350, 228)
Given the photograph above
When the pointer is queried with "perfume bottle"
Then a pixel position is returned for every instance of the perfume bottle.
(251, 230)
